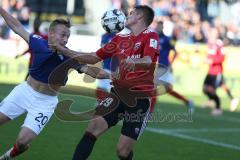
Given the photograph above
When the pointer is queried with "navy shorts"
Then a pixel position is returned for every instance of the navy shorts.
(214, 80)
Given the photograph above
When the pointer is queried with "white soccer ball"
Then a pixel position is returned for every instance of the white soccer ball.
(113, 21)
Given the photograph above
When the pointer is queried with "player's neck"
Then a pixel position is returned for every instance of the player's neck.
(137, 29)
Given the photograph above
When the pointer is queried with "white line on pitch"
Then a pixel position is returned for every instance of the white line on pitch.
(221, 118)
(202, 140)
(190, 130)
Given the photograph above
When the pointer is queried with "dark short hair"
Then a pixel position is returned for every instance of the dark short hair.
(147, 12)
(60, 21)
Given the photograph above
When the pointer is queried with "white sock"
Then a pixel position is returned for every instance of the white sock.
(6, 156)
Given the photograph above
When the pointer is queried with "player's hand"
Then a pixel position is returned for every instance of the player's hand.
(53, 47)
(56, 48)
(129, 64)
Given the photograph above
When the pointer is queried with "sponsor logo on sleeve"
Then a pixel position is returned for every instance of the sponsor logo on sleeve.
(153, 43)
(37, 36)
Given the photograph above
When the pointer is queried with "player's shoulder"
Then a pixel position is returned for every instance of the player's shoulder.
(37, 42)
(124, 33)
(36, 36)
(150, 31)
(149, 34)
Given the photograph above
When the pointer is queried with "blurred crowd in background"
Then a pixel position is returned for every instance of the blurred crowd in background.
(19, 10)
(188, 21)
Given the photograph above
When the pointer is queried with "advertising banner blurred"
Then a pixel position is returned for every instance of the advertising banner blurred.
(189, 68)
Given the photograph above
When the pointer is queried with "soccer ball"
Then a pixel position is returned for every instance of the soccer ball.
(113, 21)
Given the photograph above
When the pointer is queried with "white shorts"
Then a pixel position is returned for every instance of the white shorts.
(104, 84)
(39, 107)
(163, 75)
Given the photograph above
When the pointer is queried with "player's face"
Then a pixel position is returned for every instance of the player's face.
(132, 18)
(213, 35)
(60, 34)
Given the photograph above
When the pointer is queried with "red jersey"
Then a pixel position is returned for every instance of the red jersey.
(215, 58)
(135, 47)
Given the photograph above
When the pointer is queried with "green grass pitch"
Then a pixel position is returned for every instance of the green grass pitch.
(166, 138)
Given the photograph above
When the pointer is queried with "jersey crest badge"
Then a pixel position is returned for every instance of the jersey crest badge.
(137, 45)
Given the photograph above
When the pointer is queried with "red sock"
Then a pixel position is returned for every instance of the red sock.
(178, 96)
(14, 152)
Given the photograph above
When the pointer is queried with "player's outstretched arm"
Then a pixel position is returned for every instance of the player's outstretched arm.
(143, 63)
(15, 25)
(81, 57)
(95, 72)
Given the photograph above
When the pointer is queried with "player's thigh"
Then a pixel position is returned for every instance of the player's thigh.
(106, 115)
(97, 126)
(209, 84)
(109, 109)
(125, 145)
(37, 120)
(25, 136)
(10, 109)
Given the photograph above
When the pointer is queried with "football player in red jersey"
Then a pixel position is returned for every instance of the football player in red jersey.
(215, 78)
(137, 54)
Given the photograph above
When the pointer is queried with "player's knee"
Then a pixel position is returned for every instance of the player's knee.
(122, 152)
(204, 89)
(208, 89)
(3, 119)
(97, 126)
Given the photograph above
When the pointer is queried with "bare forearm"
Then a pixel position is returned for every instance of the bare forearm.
(98, 73)
(14, 24)
(142, 62)
(10, 20)
(103, 75)
(81, 57)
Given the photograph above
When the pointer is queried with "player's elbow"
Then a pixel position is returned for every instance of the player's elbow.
(93, 61)
(103, 76)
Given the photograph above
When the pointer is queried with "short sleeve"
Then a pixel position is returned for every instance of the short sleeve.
(151, 47)
(108, 50)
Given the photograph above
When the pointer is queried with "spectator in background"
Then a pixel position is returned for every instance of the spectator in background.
(19, 10)
(4, 28)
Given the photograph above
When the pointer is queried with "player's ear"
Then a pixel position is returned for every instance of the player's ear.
(51, 33)
(140, 15)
